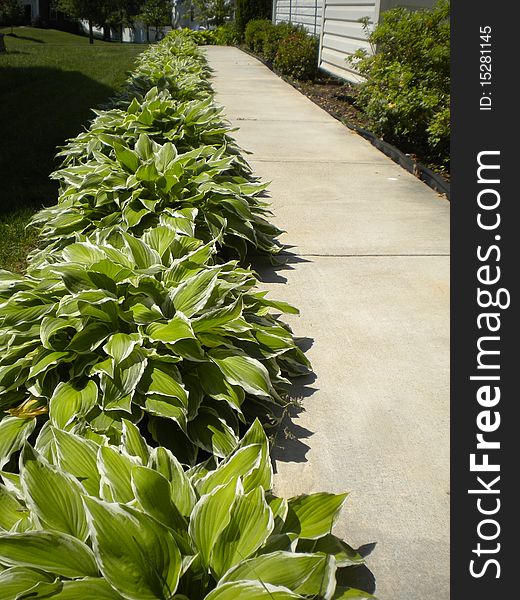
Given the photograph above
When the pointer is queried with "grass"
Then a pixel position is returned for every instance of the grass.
(49, 82)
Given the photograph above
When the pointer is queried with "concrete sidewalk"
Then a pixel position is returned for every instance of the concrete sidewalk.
(371, 282)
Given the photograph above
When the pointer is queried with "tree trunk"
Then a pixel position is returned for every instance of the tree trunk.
(90, 32)
(148, 33)
(2, 44)
(106, 33)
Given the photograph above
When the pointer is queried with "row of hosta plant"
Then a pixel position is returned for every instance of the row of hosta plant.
(137, 363)
(90, 520)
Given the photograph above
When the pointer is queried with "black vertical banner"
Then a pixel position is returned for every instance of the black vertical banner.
(485, 301)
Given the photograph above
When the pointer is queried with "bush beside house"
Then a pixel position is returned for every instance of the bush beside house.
(407, 89)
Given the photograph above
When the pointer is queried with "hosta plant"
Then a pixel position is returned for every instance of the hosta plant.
(175, 64)
(131, 186)
(90, 520)
(134, 327)
(188, 125)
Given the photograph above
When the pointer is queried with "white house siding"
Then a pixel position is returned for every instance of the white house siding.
(300, 12)
(343, 34)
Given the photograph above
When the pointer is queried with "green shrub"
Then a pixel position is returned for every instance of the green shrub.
(274, 35)
(297, 56)
(227, 34)
(201, 37)
(247, 10)
(255, 33)
(407, 88)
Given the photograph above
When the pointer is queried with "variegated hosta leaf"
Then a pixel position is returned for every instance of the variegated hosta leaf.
(305, 574)
(49, 551)
(13, 433)
(313, 516)
(53, 496)
(136, 554)
(251, 590)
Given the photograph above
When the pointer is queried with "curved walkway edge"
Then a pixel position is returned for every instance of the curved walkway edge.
(368, 266)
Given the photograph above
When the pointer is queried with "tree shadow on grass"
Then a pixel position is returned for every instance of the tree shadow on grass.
(25, 37)
(41, 107)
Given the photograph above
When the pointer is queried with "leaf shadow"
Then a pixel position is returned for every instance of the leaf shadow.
(289, 444)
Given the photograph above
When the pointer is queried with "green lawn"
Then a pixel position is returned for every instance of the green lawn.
(49, 81)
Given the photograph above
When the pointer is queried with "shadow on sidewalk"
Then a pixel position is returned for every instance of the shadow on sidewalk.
(270, 270)
(289, 445)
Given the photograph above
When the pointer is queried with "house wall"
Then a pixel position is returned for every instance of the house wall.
(343, 34)
(300, 12)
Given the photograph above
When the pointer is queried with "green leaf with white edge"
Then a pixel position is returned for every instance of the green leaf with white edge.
(193, 294)
(181, 491)
(91, 587)
(218, 317)
(69, 404)
(176, 329)
(53, 495)
(239, 464)
(49, 327)
(165, 157)
(129, 372)
(305, 574)
(136, 555)
(16, 580)
(313, 516)
(50, 551)
(133, 442)
(249, 590)
(116, 473)
(93, 334)
(127, 158)
(46, 361)
(85, 253)
(13, 434)
(211, 433)
(250, 525)
(11, 509)
(344, 554)
(120, 345)
(144, 256)
(210, 517)
(78, 456)
(152, 491)
(160, 238)
(167, 408)
(263, 473)
(244, 371)
(215, 385)
(144, 146)
(160, 382)
(12, 482)
(223, 438)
